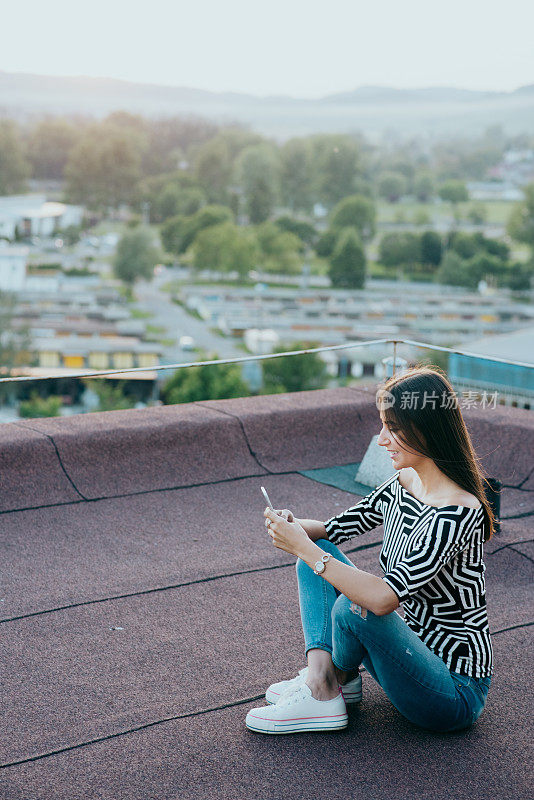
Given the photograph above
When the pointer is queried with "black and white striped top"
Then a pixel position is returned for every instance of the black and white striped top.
(433, 560)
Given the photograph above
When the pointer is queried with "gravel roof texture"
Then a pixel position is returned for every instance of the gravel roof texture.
(143, 610)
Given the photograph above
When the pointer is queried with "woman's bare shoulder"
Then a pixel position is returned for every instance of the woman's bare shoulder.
(463, 498)
(452, 496)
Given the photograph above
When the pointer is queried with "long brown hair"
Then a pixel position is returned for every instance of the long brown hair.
(421, 408)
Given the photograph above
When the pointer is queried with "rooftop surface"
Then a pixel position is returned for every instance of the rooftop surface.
(144, 610)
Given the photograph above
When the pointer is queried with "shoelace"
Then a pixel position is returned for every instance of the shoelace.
(299, 694)
(290, 699)
(294, 683)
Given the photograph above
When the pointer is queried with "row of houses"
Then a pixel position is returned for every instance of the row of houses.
(95, 352)
(437, 314)
(73, 323)
(449, 317)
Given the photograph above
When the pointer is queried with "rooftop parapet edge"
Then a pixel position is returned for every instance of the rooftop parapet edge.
(91, 456)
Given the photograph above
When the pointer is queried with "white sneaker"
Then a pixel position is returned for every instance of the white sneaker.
(276, 690)
(297, 712)
(352, 691)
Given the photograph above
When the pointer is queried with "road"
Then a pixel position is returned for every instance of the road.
(177, 322)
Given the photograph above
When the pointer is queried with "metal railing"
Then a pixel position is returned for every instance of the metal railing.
(264, 357)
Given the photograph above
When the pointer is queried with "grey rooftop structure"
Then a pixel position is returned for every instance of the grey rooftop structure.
(144, 610)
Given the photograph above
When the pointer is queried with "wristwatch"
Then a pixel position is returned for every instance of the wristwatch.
(320, 566)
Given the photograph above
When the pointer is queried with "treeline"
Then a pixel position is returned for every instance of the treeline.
(127, 158)
(459, 259)
(232, 199)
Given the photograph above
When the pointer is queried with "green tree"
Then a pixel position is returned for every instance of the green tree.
(179, 233)
(294, 373)
(171, 139)
(296, 175)
(452, 271)
(484, 266)
(14, 168)
(402, 164)
(134, 123)
(104, 167)
(336, 160)
(421, 217)
(399, 249)
(469, 272)
(238, 139)
(463, 243)
(136, 256)
(347, 264)
(304, 230)
(391, 186)
(215, 382)
(357, 212)
(521, 222)
(49, 146)
(468, 245)
(424, 186)
(151, 189)
(279, 251)
(520, 276)
(172, 234)
(175, 200)
(494, 247)
(38, 406)
(258, 174)
(326, 243)
(477, 213)
(225, 248)
(431, 248)
(453, 191)
(111, 397)
(213, 169)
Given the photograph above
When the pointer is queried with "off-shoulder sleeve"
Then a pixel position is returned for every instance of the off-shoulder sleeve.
(358, 519)
(449, 532)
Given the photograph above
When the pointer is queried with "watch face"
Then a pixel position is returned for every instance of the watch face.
(319, 566)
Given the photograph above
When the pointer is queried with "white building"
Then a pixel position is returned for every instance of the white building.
(261, 342)
(32, 215)
(12, 267)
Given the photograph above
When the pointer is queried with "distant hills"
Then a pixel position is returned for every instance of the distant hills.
(372, 110)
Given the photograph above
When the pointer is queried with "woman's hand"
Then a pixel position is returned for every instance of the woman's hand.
(285, 513)
(286, 534)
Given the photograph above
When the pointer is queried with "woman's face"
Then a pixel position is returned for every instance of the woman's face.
(401, 455)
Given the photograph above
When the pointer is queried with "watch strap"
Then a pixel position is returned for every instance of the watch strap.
(325, 558)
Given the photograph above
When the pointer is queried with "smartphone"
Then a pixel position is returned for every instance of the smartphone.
(264, 492)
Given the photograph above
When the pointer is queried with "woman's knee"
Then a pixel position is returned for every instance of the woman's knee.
(346, 612)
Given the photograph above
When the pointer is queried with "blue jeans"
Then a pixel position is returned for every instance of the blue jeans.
(415, 679)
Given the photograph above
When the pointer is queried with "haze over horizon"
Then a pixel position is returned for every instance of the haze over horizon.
(293, 50)
(285, 95)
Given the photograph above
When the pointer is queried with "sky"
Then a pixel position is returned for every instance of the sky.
(287, 47)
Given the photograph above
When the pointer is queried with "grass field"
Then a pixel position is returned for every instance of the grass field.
(497, 211)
